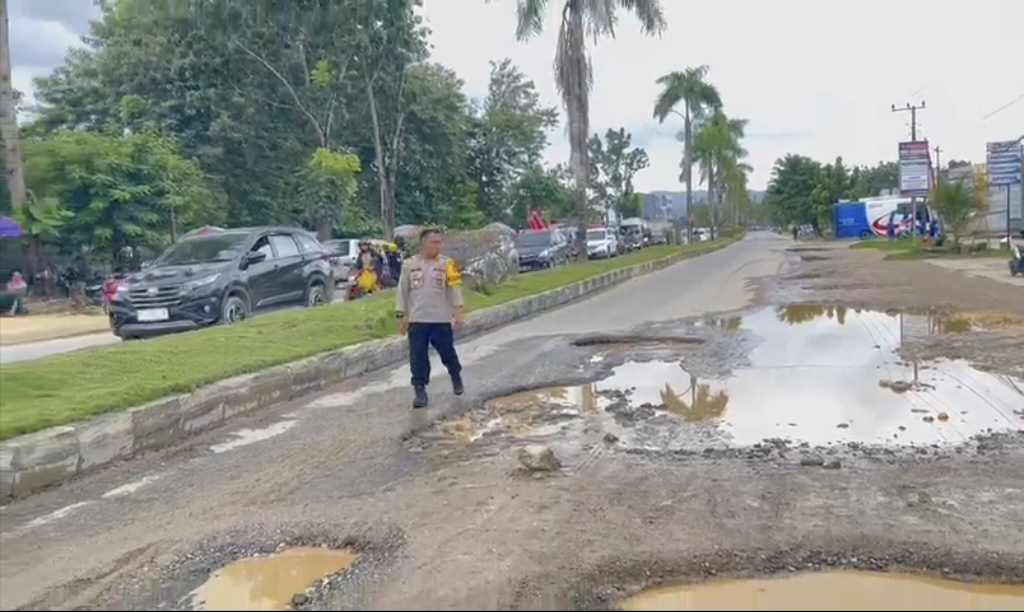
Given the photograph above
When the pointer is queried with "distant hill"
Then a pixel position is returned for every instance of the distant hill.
(672, 204)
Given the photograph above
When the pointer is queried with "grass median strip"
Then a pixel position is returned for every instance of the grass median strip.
(62, 389)
(906, 250)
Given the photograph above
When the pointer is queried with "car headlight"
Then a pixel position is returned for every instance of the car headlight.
(195, 285)
(545, 254)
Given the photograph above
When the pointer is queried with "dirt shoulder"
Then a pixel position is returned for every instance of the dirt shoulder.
(36, 327)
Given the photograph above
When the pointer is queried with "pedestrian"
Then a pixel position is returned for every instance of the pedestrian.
(17, 288)
(394, 261)
(368, 266)
(429, 309)
(796, 232)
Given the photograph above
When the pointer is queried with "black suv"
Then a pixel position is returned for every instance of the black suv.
(541, 249)
(222, 276)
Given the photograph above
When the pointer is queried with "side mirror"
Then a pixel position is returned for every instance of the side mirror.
(253, 257)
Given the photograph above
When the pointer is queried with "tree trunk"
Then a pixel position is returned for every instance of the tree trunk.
(711, 198)
(323, 230)
(578, 109)
(387, 211)
(687, 168)
(9, 118)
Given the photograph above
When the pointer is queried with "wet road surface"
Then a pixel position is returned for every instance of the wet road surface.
(352, 468)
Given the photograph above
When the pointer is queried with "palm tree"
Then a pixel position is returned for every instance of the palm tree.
(697, 96)
(717, 148)
(574, 73)
(9, 118)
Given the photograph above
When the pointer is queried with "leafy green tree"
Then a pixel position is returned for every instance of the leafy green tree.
(690, 88)
(832, 184)
(435, 161)
(573, 70)
(509, 136)
(790, 190)
(134, 190)
(549, 191)
(870, 181)
(633, 206)
(41, 219)
(613, 164)
(329, 183)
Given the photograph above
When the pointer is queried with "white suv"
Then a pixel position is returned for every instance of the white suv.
(601, 243)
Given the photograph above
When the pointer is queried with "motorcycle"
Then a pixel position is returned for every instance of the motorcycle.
(1016, 260)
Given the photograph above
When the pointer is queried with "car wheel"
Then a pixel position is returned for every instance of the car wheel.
(233, 310)
(316, 295)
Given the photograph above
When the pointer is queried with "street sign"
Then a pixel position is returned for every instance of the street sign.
(915, 168)
(1005, 163)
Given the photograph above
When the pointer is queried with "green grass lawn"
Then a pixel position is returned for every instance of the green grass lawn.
(906, 250)
(66, 388)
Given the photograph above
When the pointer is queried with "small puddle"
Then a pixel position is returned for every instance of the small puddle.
(819, 374)
(269, 583)
(832, 591)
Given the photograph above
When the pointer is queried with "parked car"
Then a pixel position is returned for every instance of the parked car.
(542, 249)
(222, 277)
(343, 253)
(601, 243)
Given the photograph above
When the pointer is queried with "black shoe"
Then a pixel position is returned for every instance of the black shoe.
(457, 387)
(421, 397)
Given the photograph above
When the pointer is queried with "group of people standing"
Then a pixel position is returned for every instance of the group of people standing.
(377, 266)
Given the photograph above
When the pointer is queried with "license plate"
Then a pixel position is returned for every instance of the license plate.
(153, 314)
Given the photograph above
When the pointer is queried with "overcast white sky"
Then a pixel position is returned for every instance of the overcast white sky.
(815, 77)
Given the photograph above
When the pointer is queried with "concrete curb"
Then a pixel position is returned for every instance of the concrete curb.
(35, 461)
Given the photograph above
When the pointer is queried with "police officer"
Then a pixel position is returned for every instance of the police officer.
(429, 308)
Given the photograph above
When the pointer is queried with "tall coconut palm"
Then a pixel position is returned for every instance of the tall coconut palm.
(9, 118)
(698, 97)
(717, 148)
(573, 71)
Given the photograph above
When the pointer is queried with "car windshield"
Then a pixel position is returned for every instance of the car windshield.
(596, 235)
(338, 247)
(533, 239)
(204, 249)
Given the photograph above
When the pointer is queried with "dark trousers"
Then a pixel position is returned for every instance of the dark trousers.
(421, 335)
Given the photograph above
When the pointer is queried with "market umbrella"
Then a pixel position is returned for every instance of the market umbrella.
(9, 228)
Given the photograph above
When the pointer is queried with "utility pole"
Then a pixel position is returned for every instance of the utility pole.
(913, 108)
(938, 166)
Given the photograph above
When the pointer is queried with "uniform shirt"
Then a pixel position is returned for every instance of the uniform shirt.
(429, 290)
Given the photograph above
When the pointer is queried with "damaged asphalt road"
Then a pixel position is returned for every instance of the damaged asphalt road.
(683, 473)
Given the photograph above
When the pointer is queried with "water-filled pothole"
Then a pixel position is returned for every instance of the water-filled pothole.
(820, 374)
(270, 582)
(832, 591)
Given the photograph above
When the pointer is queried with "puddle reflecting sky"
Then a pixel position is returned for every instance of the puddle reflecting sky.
(827, 374)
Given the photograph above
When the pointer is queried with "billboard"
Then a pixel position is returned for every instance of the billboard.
(1004, 163)
(915, 169)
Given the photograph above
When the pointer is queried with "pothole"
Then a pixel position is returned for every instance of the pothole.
(635, 340)
(816, 374)
(270, 582)
(832, 591)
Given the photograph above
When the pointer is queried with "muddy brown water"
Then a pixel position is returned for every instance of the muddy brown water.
(269, 583)
(832, 591)
(821, 374)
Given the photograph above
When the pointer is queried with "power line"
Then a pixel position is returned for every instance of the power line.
(1005, 106)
